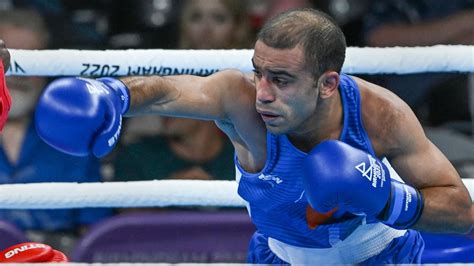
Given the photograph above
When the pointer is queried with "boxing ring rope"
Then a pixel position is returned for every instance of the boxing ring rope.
(157, 193)
(161, 193)
(398, 60)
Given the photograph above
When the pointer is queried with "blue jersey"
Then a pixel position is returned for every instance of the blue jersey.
(275, 196)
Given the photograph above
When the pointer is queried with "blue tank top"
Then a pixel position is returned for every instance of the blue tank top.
(275, 196)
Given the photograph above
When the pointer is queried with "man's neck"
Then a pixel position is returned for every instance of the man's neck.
(325, 124)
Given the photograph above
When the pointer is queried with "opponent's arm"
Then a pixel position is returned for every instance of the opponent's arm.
(4, 56)
(5, 99)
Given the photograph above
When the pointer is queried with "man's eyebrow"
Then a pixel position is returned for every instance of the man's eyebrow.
(275, 71)
(282, 73)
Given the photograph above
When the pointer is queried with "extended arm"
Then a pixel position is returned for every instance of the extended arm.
(83, 116)
(188, 96)
(5, 99)
(227, 97)
(4, 56)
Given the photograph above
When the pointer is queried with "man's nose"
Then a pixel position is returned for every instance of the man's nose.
(264, 91)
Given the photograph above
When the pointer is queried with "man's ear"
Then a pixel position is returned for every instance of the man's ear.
(328, 84)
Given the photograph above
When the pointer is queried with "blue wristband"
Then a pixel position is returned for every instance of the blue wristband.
(406, 206)
(120, 88)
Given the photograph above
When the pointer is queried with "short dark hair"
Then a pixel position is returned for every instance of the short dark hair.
(322, 40)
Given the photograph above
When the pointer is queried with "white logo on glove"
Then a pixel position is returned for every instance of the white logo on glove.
(94, 87)
(96, 90)
(115, 137)
(373, 173)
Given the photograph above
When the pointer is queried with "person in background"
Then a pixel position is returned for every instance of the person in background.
(425, 23)
(214, 24)
(262, 10)
(25, 158)
(187, 148)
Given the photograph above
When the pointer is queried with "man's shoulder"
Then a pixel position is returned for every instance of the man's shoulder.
(231, 75)
(385, 115)
(232, 82)
(379, 100)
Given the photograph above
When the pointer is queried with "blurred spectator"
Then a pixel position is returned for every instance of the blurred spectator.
(347, 13)
(279, 6)
(186, 149)
(262, 10)
(420, 22)
(73, 24)
(25, 158)
(214, 24)
(143, 23)
(423, 23)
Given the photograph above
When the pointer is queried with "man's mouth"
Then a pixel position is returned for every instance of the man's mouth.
(267, 116)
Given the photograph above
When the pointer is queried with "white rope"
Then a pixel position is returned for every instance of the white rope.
(157, 193)
(401, 60)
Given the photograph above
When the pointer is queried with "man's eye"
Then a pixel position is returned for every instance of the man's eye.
(280, 81)
(257, 73)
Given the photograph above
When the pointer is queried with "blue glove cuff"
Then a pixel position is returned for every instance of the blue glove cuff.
(406, 206)
(120, 88)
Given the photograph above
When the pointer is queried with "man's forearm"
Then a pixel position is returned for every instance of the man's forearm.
(446, 210)
(145, 91)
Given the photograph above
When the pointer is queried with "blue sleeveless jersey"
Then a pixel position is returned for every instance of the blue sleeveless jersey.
(275, 196)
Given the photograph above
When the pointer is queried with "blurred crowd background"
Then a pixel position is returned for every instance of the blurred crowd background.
(154, 147)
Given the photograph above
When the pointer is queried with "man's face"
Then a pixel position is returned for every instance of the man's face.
(210, 25)
(286, 95)
(24, 90)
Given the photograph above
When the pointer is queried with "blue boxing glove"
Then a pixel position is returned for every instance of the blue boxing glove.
(337, 175)
(82, 116)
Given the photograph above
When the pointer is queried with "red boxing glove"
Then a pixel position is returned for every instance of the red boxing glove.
(31, 252)
(5, 100)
